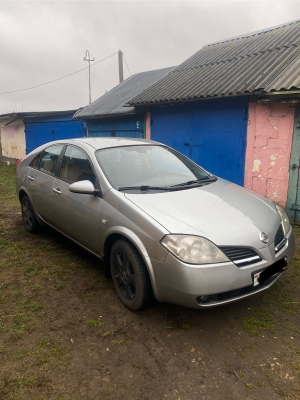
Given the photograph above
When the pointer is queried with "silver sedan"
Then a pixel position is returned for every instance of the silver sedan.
(161, 224)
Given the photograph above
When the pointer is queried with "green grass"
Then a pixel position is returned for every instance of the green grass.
(107, 333)
(7, 189)
(255, 326)
(93, 323)
(45, 352)
(283, 296)
(22, 380)
(20, 325)
(296, 367)
(250, 386)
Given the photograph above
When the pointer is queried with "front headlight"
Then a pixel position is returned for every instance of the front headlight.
(284, 219)
(193, 249)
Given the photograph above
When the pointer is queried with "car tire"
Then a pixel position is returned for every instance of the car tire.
(29, 219)
(130, 276)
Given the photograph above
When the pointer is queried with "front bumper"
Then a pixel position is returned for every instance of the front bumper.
(182, 284)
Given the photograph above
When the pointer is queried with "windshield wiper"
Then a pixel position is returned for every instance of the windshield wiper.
(198, 181)
(144, 188)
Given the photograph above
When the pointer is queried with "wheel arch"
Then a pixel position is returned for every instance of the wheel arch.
(131, 237)
(21, 194)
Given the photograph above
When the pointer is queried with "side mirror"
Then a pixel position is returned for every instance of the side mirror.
(83, 187)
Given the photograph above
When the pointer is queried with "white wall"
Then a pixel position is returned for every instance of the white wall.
(12, 138)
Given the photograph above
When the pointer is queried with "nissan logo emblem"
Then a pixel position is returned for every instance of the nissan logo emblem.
(264, 237)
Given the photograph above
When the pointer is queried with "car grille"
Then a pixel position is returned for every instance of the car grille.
(241, 256)
(280, 240)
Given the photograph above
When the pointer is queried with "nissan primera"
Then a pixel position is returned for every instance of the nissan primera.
(160, 223)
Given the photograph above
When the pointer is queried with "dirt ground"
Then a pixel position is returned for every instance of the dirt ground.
(65, 335)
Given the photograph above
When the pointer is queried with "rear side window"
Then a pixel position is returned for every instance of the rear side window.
(76, 166)
(35, 162)
(49, 159)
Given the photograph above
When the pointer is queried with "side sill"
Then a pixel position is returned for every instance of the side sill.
(100, 255)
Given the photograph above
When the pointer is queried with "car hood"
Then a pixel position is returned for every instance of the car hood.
(223, 212)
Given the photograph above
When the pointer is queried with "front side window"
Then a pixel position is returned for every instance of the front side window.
(49, 159)
(148, 165)
(76, 166)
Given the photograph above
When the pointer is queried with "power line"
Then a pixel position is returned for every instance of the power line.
(59, 79)
(126, 64)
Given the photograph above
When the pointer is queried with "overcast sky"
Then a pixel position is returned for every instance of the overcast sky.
(45, 40)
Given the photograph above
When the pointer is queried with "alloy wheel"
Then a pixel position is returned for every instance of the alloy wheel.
(27, 214)
(124, 275)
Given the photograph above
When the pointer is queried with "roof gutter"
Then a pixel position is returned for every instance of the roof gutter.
(79, 117)
(255, 94)
(281, 93)
(291, 97)
(173, 102)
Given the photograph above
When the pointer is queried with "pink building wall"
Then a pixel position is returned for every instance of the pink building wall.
(269, 142)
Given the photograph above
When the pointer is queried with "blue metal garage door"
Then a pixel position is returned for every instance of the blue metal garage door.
(210, 132)
(130, 126)
(38, 133)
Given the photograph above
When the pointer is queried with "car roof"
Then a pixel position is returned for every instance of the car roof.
(105, 142)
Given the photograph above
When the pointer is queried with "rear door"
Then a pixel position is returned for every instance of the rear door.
(41, 177)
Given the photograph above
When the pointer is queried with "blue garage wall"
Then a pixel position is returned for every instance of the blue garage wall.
(42, 130)
(210, 132)
(127, 126)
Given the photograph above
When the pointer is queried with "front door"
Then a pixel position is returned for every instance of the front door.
(77, 215)
(293, 202)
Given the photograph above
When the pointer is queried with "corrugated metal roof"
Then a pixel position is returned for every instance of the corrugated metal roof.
(257, 62)
(34, 114)
(111, 103)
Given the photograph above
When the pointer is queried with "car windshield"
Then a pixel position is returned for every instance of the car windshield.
(145, 167)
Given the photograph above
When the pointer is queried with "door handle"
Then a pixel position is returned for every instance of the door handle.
(57, 191)
(294, 166)
(30, 178)
(193, 143)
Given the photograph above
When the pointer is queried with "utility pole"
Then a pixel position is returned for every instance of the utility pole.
(120, 57)
(87, 58)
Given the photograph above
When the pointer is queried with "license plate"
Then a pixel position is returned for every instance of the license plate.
(260, 276)
(255, 278)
